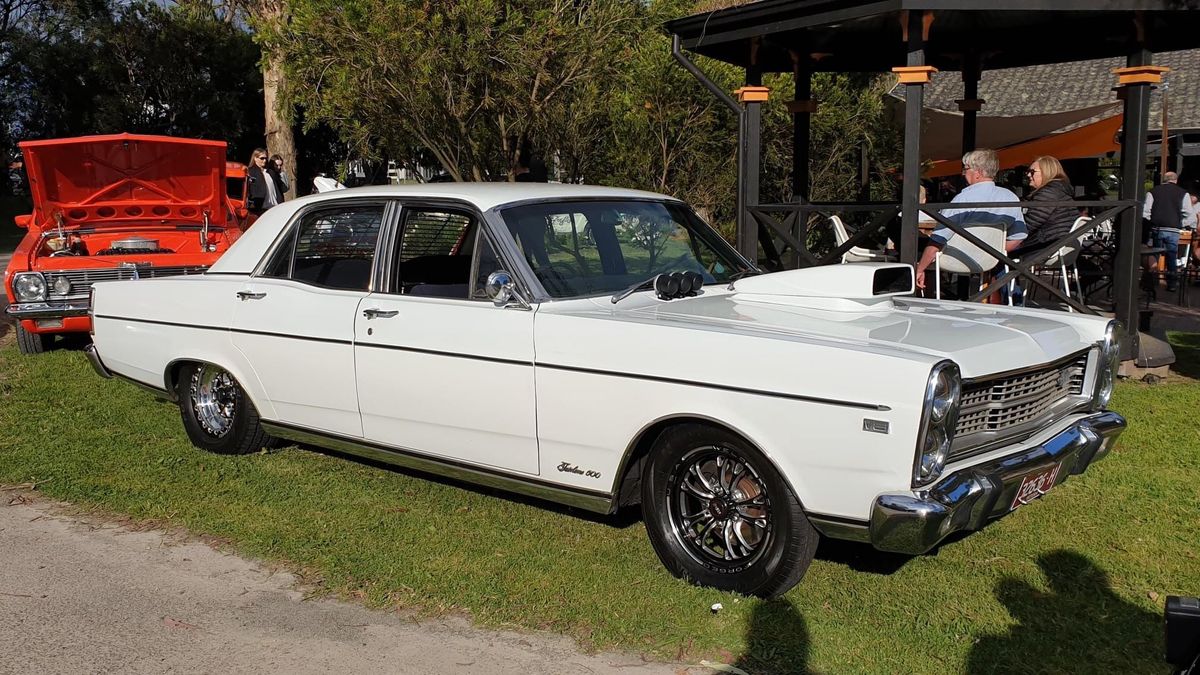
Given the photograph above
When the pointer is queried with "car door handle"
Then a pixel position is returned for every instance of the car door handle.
(380, 313)
(251, 295)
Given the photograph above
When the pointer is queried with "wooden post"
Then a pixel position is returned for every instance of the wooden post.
(751, 97)
(914, 76)
(970, 103)
(1135, 80)
(801, 108)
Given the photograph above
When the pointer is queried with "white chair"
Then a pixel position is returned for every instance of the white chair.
(960, 256)
(856, 253)
(1065, 257)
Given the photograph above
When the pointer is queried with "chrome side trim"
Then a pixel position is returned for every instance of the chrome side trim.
(840, 528)
(97, 364)
(597, 502)
(45, 310)
(158, 392)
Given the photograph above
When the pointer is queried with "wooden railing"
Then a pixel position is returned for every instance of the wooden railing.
(793, 224)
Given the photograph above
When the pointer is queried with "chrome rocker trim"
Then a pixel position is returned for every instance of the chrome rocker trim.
(45, 310)
(966, 500)
(591, 500)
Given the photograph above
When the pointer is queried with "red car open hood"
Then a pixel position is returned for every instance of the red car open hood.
(93, 181)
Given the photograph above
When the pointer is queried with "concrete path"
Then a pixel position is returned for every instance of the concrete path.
(79, 596)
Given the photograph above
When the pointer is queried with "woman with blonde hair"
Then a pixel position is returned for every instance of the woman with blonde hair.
(1047, 224)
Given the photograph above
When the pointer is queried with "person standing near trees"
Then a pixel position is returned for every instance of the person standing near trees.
(263, 191)
(279, 174)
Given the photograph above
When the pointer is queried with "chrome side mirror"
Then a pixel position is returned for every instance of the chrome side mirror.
(502, 290)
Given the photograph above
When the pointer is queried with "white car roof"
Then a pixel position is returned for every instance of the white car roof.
(486, 196)
(248, 250)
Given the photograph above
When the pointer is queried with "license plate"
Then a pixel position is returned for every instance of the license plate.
(1035, 485)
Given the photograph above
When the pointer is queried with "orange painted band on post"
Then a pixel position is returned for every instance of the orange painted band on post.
(749, 94)
(914, 74)
(803, 106)
(1140, 74)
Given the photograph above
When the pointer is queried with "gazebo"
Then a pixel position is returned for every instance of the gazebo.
(914, 39)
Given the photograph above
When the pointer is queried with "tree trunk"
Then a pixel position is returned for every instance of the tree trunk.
(280, 139)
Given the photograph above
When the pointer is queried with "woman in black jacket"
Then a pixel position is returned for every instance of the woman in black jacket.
(1047, 224)
(260, 196)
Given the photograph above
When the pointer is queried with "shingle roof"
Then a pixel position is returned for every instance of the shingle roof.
(1068, 86)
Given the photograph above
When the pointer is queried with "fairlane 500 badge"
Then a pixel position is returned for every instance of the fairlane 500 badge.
(567, 467)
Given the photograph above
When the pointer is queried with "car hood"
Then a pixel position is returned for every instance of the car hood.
(981, 339)
(96, 181)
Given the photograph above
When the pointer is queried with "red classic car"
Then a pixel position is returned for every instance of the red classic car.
(113, 207)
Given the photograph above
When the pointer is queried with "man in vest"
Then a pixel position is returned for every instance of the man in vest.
(1169, 208)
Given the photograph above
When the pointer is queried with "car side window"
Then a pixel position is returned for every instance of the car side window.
(437, 248)
(333, 248)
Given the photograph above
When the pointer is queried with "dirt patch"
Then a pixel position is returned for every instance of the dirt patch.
(87, 592)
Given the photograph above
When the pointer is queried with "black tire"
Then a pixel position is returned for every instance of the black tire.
(766, 542)
(217, 415)
(33, 343)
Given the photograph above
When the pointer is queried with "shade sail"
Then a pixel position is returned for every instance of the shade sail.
(1089, 140)
(941, 130)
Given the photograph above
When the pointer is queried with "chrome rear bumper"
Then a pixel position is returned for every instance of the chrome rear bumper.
(94, 359)
(965, 500)
(45, 310)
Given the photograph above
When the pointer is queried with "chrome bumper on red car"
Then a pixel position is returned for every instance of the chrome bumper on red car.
(967, 499)
(45, 310)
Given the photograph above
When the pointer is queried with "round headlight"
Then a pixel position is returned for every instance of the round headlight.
(29, 287)
(61, 285)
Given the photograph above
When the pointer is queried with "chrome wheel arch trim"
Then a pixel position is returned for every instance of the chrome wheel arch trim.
(627, 457)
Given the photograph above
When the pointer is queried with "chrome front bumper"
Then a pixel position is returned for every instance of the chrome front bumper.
(45, 310)
(965, 500)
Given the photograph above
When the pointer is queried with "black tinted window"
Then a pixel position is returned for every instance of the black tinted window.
(333, 247)
(437, 251)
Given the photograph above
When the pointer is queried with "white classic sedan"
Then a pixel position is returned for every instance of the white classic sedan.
(602, 348)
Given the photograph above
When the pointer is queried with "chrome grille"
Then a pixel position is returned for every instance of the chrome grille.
(1003, 403)
(82, 280)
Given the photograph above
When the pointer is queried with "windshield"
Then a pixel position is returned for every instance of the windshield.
(601, 247)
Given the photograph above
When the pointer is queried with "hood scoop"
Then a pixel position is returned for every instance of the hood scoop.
(856, 287)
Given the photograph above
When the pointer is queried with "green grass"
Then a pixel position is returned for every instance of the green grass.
(1072, 583)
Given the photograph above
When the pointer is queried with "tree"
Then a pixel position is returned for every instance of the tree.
(269, 17)
(136, 67)
(469, 81)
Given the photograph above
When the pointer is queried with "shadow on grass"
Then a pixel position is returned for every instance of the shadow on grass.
(860, 557)
(1187, 353)
(623, 518)
(776, 640)
(1078, 625)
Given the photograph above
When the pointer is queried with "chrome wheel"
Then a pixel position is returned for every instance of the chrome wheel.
(719, 508)
(213, 395)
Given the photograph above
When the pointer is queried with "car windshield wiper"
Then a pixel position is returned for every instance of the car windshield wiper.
(642, 285)
(749, 272)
